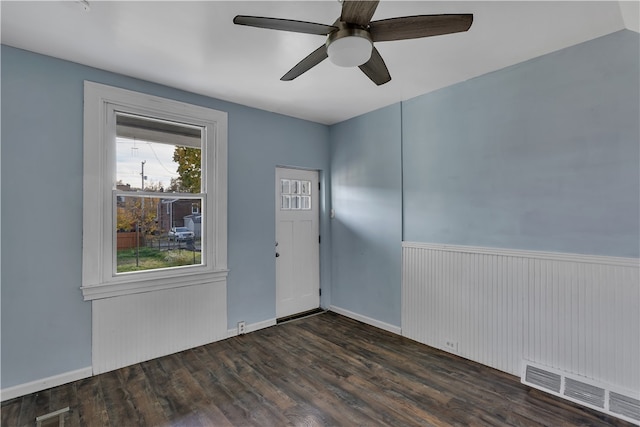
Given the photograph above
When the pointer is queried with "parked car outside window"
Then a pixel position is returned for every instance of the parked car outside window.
(180, 233)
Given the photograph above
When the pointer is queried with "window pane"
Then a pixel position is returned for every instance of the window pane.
(286, 186)
(295, 202)
(161, 157)
(305, 188)
(157, 232)
(306, 203)
(155, 155)
(286, 202)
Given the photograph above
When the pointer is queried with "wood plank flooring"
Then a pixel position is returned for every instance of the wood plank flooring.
(325, 370)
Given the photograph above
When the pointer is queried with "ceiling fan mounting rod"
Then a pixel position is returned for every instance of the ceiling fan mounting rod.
(346, 30)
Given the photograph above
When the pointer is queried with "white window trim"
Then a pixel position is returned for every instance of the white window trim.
(98, 279)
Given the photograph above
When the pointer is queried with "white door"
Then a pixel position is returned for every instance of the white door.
(297, 242)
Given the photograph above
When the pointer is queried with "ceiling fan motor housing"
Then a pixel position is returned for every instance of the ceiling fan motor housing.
(350, 46)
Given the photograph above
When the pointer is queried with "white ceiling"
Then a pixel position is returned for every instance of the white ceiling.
(195, 46)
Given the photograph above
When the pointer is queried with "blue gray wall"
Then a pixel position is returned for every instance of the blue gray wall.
(366, 174)
(46, 326)
(543, 155)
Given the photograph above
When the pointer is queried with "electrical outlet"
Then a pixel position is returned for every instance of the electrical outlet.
(451, 346)
(242, 328)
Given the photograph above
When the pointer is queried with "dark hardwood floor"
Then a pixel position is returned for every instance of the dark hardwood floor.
(325, 370)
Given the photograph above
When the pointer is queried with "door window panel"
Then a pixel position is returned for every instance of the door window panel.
(295, 194)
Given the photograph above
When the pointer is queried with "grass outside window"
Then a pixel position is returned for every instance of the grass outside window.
(153, 258)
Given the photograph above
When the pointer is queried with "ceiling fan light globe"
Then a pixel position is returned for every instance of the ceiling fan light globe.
(350, 51)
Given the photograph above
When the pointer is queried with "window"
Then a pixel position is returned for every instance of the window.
(157, 163)
(154, 193)
(295, 195)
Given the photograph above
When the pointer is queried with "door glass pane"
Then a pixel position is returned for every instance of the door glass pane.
(295, 187)
(295, 202)
(305, 203)
(285, 203)
(305, 188)
(285, 186)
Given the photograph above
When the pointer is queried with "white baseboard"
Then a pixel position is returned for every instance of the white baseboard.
(368, 320)
(252, 327)
(44, 383)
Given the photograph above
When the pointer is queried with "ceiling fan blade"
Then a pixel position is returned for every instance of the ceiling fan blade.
(358, 12)
(313, 59)
(413, 27)
(284, 25)
(376, 69)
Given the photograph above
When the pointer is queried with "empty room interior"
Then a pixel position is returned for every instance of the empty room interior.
(320, 213)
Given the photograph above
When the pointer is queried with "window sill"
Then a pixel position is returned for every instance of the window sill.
(108, 290)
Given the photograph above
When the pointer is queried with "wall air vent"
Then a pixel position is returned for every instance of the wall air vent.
(624, 405)
(584, 391)
(543, 379)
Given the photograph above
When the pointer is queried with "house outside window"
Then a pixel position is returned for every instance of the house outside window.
(154, 193)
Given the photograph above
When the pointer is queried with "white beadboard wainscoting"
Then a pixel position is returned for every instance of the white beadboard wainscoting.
(576, 313)
(134, 328)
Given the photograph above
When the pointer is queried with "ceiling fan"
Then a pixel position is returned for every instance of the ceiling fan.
(350, 39)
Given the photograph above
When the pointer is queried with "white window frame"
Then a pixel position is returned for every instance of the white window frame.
(99, 279)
